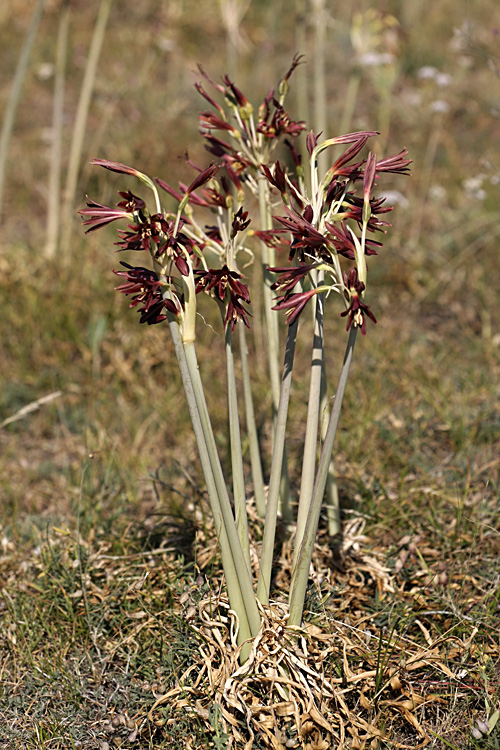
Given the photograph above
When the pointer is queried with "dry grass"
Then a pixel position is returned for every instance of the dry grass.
(107, 562)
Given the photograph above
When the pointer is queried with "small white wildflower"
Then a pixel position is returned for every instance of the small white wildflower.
(437, 192)
(443, 79)
(473, 183)
(474, 186)
(427, 72)
(396, 198)
(439, 106)
(165, 44)
(371, 59)
(45, 71)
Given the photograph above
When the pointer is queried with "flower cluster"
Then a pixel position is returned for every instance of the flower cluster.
(329, 226)
(327, 229)
(144, 286)
(225, 286)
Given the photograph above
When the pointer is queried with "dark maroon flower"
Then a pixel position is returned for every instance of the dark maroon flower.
(194, 198)
(297, 60)
(369, 176)
(278, 123)
(116, 166)
(293, 304)
(311, 141)
(306, 238)
(236, 312)
(396, 163)
(290, 277)
(240, 222)
(353, 209)
(100, 215)
(209, 121)
(342, 240)
(204, 176)
(225, 286)
(297, 158)
(131, 202)
(142, 234)
(278, 179)
(357, 310)
(237, 97)
(199, 88)
(271, 237)
(216, 86)
(357, 140)
(144, 286)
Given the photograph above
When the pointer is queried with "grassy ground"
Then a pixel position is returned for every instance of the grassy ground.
(106, 548)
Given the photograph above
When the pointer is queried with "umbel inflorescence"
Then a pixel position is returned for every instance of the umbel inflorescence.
(320, 226)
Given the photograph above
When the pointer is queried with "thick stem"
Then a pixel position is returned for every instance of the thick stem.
(300, 572)
(240, 509)
(271, 318)
(311, 437)
(233, 584)
(266, 561)
(241, 566)
(253, 439)
(332, 492)
(268, 259)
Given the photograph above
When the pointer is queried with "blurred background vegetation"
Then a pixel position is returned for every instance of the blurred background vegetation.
(426, 74)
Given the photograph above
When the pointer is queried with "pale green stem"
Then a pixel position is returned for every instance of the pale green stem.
(80, 127)
(332, 492)
(267, 254)
(240, 509)
(236, 598)
(242, 569)
(300, 572)
(253, 439)
(268, 259)
(15, 93)
(54, 189)
(266, 561)
(311, 436)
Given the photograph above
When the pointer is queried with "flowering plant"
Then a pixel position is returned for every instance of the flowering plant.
(326, 230)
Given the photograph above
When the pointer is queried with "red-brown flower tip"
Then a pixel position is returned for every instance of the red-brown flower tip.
(240, 222)
(369, 176)
(357, 310)
(279, 122)
(293, 304)
(116, 166)
(298, 59)
(205, 176)
(397, 164)
(99, 215)
(237, 96)
(278, 179)
(311, 141)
